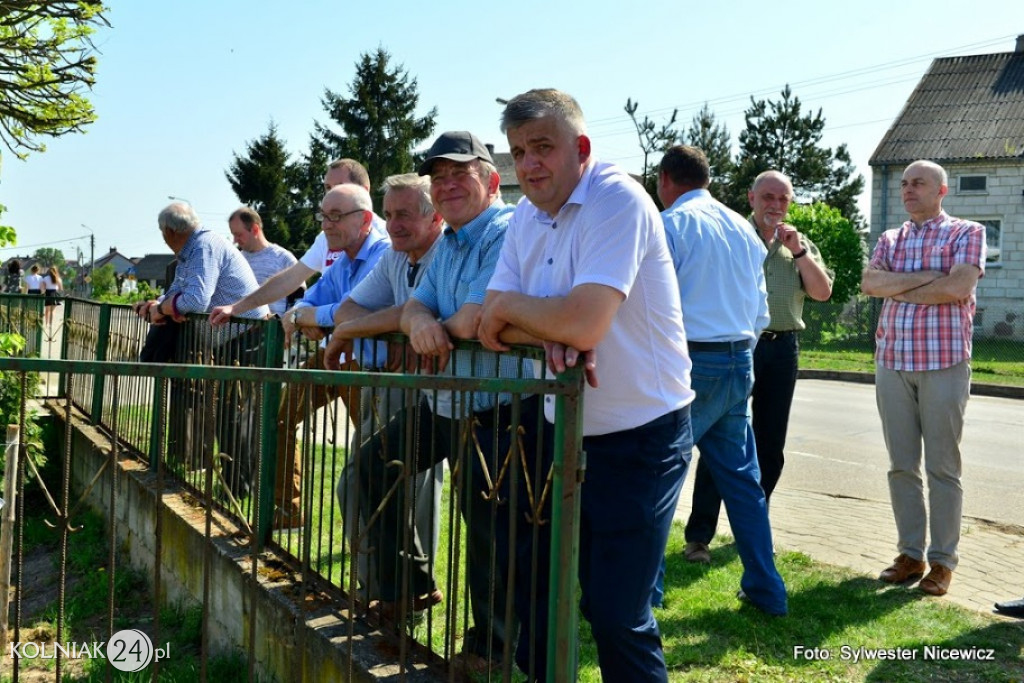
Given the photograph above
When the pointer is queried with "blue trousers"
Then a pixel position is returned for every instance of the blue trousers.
(728, 458)
(629, 496)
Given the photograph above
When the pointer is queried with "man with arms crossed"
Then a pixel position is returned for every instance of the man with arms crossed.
(585, 268)
(926, 272)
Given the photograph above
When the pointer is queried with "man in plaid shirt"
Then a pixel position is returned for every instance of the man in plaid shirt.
(926, 272)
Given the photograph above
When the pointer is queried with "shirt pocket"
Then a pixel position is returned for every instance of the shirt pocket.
(937, 258)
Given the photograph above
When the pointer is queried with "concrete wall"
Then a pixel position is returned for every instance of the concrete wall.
(1001, 291)
(298, 636)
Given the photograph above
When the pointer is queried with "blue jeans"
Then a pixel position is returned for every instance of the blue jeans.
(728, 458)
(629, 496)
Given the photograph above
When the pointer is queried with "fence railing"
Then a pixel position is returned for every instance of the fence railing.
(425, 503)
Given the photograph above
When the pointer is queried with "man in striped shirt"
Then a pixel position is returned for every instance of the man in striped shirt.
(926, 272)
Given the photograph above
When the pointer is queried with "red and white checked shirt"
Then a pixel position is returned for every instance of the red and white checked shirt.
(917, 337)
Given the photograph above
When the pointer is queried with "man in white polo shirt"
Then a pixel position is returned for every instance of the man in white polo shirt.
(585, 268)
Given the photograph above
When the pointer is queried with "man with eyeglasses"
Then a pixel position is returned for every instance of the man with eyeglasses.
(316, 259)
(346, 216)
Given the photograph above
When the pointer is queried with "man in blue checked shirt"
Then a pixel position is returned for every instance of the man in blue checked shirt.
(210, 272)
(346, 216)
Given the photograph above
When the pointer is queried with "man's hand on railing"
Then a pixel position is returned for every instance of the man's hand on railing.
(429, 338)
(221, 314)
(333, 351)
(559, 357)
(149, 311)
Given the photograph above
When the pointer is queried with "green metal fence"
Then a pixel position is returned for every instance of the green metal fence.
(219, 418)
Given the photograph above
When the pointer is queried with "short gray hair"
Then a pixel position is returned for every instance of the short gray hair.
(411, 181)
(542, 103)
(179, 218)
(487, 169)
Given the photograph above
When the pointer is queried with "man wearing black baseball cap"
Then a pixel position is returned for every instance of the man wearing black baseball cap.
(444, 306)
(456, 145)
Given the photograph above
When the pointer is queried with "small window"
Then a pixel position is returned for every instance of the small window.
(993, 238)
(973, 183)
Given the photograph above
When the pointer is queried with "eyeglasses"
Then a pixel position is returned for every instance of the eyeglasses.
(334, 216)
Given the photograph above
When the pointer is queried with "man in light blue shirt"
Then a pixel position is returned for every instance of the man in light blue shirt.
(346, 215)
(718, 261)
(464, 186)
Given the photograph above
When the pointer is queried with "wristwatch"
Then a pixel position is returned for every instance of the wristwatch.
(295, 317)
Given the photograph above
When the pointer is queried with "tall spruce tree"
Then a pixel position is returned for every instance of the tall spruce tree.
(261, 180)
(780, 136)
(378, 121)
(713, 138)
(306, 179)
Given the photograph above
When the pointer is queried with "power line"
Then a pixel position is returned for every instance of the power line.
(43, 244)
(818, 80)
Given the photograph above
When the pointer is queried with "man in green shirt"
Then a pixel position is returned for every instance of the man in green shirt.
(793, 270)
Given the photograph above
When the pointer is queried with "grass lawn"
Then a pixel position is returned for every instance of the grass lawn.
(994, 361)
(710, 636)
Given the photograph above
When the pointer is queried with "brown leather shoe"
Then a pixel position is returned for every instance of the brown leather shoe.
(903, 570)
(938, 580)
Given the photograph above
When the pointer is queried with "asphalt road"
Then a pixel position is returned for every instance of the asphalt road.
(835, 447)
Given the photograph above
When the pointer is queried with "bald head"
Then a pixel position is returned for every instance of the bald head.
(922, 188)
(929, 167)
(769, 198)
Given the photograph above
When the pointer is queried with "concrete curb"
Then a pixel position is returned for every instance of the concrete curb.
(977, 389)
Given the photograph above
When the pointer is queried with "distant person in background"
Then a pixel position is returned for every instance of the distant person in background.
(34, 281)
(265, 258)
(14, 273)
(53, 285)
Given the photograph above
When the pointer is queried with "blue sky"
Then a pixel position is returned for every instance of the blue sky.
(182, 86)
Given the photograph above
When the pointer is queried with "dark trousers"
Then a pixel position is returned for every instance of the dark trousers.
(775, 369)
(415, 441)
(629, 496)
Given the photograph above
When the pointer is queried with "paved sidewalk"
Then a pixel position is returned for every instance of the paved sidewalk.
(861, 535)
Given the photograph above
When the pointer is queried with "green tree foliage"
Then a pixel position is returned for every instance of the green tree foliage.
(50, 256)
(653, 141)
(104, 282)
(379, 126)
(260, 179)
(780, 136)
(306, 179)
(713, 138)
(46, 66)
(844, 251)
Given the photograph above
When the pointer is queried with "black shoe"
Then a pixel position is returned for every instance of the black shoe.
(1013, 608)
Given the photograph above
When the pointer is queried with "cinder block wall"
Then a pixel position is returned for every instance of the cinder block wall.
(291, 642)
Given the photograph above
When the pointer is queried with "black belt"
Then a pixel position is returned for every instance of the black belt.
(772, 335)
(721, 347)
